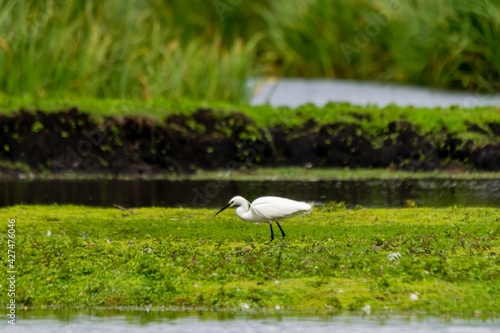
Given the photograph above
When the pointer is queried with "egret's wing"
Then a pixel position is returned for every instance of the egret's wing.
(275, 208)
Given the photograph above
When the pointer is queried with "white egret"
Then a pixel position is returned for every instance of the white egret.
(267, 210)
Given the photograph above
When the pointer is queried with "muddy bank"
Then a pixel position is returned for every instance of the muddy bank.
(74, 141)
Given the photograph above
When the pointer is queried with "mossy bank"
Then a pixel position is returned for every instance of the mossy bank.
(178, 138)
(413, 260)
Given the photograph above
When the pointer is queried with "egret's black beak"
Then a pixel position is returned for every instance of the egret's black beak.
(226, 206)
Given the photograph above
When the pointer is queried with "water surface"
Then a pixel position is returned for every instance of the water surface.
(295, 92)
(208, 323)
(216, 193)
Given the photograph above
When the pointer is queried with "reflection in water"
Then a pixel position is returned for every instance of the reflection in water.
(222, 322)
(144, 193)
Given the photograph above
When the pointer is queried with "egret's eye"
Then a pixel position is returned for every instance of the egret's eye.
(230, 202)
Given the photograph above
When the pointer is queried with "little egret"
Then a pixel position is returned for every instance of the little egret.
(267, 210)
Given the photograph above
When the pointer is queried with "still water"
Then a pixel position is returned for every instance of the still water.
(186, 193)
(295, 92)
(208, 323)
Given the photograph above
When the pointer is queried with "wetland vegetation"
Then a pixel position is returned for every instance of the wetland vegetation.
(186, 139)
(411, 260)
(160, 89)
(209, 49)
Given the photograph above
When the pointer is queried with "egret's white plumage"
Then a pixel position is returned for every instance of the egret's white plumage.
(267, 210)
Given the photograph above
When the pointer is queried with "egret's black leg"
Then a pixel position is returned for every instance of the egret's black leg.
(282, 232)
(272, 232)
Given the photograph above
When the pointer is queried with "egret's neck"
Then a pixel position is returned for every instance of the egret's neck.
(243, 211)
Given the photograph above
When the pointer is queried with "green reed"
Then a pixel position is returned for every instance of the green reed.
(208, 49)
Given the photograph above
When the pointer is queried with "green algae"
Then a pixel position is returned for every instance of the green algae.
(413, 260)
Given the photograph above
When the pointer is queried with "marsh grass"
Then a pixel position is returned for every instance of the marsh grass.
(315, 174)
(114, 49)
(153, 49)
(186, 258)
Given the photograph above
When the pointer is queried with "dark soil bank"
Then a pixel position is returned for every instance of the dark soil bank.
(74, 141)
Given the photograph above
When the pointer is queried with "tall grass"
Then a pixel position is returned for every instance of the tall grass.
(207, 49)
(114, 49)
(449, 43)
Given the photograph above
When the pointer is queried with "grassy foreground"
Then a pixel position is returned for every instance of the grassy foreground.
(432, 261)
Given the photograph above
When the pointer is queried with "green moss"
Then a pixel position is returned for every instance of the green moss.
(371, 119)
(36, 127)
(304, 174)
(284, 173)
(341, 259)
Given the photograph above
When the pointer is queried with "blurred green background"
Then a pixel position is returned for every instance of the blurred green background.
(206, 50)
